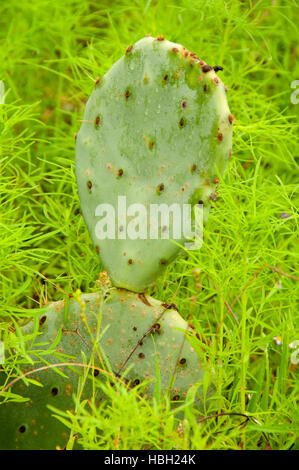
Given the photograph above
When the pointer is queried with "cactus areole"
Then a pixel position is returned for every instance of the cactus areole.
(157, 130)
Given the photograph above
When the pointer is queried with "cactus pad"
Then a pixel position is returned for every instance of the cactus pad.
(156, 129)
(131, 332)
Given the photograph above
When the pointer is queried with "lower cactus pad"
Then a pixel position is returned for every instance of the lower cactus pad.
(132, 332)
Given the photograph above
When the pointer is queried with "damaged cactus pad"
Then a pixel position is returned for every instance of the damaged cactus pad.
(157, 130)
(127, 335)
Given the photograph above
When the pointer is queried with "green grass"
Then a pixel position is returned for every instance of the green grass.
(246, 291)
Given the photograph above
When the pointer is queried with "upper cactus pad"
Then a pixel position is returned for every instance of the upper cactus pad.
(156, 129)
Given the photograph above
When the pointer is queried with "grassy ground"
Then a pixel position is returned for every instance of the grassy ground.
(245, 294)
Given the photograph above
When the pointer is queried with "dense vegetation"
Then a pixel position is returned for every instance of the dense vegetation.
(240, 288)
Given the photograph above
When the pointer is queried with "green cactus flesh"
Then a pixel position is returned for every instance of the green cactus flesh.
(157, 129)
(132, 332)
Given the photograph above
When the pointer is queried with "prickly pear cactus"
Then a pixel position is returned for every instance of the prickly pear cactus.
(132, 332)
(156, 130)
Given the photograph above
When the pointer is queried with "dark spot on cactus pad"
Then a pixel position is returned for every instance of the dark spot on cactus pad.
(175, 49)
(217, 68)
(96, 372)
(184, 104)
(193, 168)
(42, 320)
(230, 118)
(54, 391)
(127, 94)
(182, 122)
(163, 261)
(206, 68)
(22, 429)
(200, 202)
(135, 382)
(97, 121)
(171, 306)
(176, 398)
(130, 261)
(160, 188)
(120, 172)
(182, 361)
(160, 38)
(134, 328)
(141, 355)
(220, 137)
(89, 184)
(205, 87)
(151, 144)
(129, 49)
(156, 327)
(165, 78)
